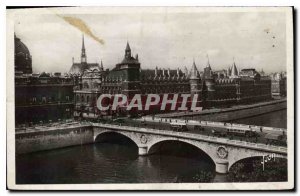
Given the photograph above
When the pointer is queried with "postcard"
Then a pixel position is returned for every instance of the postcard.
(150, 98)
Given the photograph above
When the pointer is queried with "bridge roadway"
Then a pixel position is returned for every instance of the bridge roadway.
(223, 151)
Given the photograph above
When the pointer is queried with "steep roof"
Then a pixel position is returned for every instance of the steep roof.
(80, 68)
(234, 71)
(194, 74)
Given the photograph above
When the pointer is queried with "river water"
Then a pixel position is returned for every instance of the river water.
(274, 119)
(118, 162)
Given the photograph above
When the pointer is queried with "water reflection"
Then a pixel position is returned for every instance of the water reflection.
(105, 163)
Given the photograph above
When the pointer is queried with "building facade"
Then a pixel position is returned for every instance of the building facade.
(40, 98)
(278, 85)
(214, 88)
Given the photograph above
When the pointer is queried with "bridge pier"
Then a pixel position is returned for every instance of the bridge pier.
(222, 166)
(142, 151)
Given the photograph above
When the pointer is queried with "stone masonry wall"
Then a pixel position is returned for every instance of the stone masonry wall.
(46, 140)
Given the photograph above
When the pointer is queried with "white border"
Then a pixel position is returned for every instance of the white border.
(159, 186)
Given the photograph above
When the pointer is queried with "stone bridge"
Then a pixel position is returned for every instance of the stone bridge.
(223, 152)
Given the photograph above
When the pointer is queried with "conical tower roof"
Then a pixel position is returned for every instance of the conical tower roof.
(194, 74)
(127, 47)
(234, 71)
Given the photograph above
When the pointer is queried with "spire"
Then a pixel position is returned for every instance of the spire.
(101, 65)
(234, 71)
(127, 51)
(127, 47)
(208, 64)
(83, 55)
(186, 72)
(194, 71)
(83, 47)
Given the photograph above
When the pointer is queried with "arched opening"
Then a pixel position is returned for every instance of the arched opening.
(116, 144)
(187, 162)
(259, 169)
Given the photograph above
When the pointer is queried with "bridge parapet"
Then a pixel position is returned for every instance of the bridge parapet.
(193, 136)
(213, 124)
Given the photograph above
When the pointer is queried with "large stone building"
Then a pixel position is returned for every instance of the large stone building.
(40, 97)
(214, 88)
(278, 85)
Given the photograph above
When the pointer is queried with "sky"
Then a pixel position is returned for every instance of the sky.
(165, 39)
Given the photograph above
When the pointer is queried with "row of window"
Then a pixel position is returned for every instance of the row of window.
(42, 100)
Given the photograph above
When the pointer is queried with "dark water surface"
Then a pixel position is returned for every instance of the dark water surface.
(105, 163)
(118, 162)
(275, 119)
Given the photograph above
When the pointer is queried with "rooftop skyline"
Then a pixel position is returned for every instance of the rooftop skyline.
(163, 39)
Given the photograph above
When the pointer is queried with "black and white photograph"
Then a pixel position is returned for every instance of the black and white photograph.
(150, 98)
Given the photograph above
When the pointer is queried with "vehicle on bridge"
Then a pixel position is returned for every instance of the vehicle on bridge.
(233, 131)
(277, 139)
(240, 131)
(178, 126)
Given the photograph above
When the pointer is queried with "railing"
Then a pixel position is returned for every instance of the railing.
(217, 124)
(264, 147)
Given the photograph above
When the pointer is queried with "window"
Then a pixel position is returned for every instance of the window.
(85, 85)
(44, 100)
(95, 85)
(87, 99)
(67, 98)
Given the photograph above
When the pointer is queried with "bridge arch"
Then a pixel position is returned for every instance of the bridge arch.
(154, 145)
(254, 156)
(244, 167)
(97, 137)
(245, 154)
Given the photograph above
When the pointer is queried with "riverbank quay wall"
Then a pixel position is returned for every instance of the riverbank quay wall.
(45, 138)
(229, 114)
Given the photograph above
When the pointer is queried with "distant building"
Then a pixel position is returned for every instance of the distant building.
(40, 97)
(23, 60)
(215, 89)
(278, 85)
